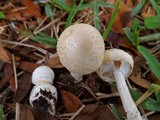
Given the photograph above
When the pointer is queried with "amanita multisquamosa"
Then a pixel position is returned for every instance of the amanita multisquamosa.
(116, 67)
(43, 95)
(81, 50)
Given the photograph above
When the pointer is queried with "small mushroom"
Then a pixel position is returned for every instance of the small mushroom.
(43, 95)
(42, 75)
(81, 50)
(116, 67)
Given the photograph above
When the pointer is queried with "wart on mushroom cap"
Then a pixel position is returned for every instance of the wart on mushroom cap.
(81, 49)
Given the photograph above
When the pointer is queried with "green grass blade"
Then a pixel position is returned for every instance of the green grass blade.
(61, 4)
(44, 41)
(106, 31)
(148, 104)
(152, 89)
(48, 11)
(152, 62)
(2, 15)
(156, 6)
(115, 112)
(2, 116)
(86, 6)
(105, 4)
(136, 10)
(91, 5)
(96, 16)
(157, 94)
(47, 37)
(72, 13)
(151, 37)
(129, 34)
(152, 22)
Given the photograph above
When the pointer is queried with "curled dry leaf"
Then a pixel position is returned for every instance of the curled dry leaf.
(140, 81)
(71, 102)
(3, 55)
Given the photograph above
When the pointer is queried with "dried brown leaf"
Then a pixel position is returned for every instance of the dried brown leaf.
(140, 81)
(12, 84)
(28, 66)
(31, 9)
(54, 62)
(154, 79)
(3, 55)
(25, 113)
(8, 73)
(71, 102)
(23, 87)
(101, 113)
(123, 18)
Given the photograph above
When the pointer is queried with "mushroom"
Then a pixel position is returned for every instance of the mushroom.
(43, 95)
(118, 65)
(81, 50)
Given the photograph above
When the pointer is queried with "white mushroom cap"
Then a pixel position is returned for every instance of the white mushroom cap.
(81, 49)
(43, 98)
(43, 74)
(112, 55)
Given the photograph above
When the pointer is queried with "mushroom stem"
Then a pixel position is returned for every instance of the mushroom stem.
(127, 101)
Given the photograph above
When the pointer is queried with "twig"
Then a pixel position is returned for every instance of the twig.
(90, 91)
(16, 86)
(78, 111)
(27, 45)
(104, 96)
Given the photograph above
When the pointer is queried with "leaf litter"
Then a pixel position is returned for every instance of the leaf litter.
(96, 95)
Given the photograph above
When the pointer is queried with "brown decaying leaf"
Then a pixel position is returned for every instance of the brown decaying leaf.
(23, 87)
(3, 55)
(140, 81)
(154, 79)
(89, 108)
(100, 113)
(123, 18)
(32, 9)
(54, 62)
(12, 84)
(8, 73)
(28, 66)
(113, 38)
(70, 101)
(25, 113)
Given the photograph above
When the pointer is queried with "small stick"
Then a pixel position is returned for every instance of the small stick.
(16, 86)
(78, 111)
